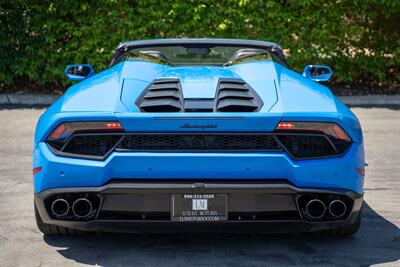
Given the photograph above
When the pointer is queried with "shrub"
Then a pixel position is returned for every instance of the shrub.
(359, 39)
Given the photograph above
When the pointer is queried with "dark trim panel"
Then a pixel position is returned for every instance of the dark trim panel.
(138, 226)
(196, 186)
(221, 227)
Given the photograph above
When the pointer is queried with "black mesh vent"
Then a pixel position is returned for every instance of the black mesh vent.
(198, 142)
(340, 145)
(163, 95)
(234, 95)
(299, 146)
(307, 146)
(92, 145)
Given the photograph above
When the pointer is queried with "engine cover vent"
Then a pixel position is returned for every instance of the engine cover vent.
(232, 95)
(235, 95)
(163, 95)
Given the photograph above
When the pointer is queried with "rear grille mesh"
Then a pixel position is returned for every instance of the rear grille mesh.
(199, 142)
(299, 146)
(92, 145)
(307, 146)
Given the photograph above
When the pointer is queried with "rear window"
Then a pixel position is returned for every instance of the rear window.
(204, 55)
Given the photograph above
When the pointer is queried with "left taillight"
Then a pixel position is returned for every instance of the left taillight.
(62, 132)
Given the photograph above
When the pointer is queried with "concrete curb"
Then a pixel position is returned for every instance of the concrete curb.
(371, 100)
(28, 99)
(48, 99)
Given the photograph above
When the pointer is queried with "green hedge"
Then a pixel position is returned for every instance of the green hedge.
(359, 39)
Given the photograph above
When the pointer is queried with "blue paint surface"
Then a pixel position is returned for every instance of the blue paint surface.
(111, 95)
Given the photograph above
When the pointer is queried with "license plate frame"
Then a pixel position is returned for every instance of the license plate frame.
(191, 207)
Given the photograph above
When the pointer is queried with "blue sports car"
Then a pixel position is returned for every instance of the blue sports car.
(191, 135)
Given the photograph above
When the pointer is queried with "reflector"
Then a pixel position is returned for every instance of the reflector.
(36, 170)
(360, 171)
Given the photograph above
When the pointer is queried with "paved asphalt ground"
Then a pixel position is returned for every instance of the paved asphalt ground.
(377, 242)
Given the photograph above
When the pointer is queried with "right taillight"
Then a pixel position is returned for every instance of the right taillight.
(328, 128)
(312, 139)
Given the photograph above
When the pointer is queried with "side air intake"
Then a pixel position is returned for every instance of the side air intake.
(163, 95)
(235, 95)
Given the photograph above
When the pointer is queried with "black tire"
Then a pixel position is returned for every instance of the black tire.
(343, 231)
(49, 229)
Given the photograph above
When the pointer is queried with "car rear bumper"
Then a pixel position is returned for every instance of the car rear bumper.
(272, 206)
(337, 172)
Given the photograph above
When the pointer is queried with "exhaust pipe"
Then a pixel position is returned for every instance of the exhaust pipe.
(337, 208)
(315, 209)
(82, 207)
(60, 207)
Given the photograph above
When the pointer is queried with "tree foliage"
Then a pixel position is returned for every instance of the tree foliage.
(359, 38)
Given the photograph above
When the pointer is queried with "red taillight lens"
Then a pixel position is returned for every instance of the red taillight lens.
(328, 128)
(361, 171)
(285, 126)
(36, 170)
(113, 125)
(64, 130)
(58, 132)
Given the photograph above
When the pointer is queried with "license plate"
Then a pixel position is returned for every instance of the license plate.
(199, 207)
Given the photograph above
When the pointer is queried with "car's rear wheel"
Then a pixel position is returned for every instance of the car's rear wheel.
(49, 229)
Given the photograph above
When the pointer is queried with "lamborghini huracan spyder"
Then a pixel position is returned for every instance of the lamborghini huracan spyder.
(191, 135)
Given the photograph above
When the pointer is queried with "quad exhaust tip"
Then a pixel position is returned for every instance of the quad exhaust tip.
(337, 208)
(315, 209)
(82, 207)
(60, 207)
